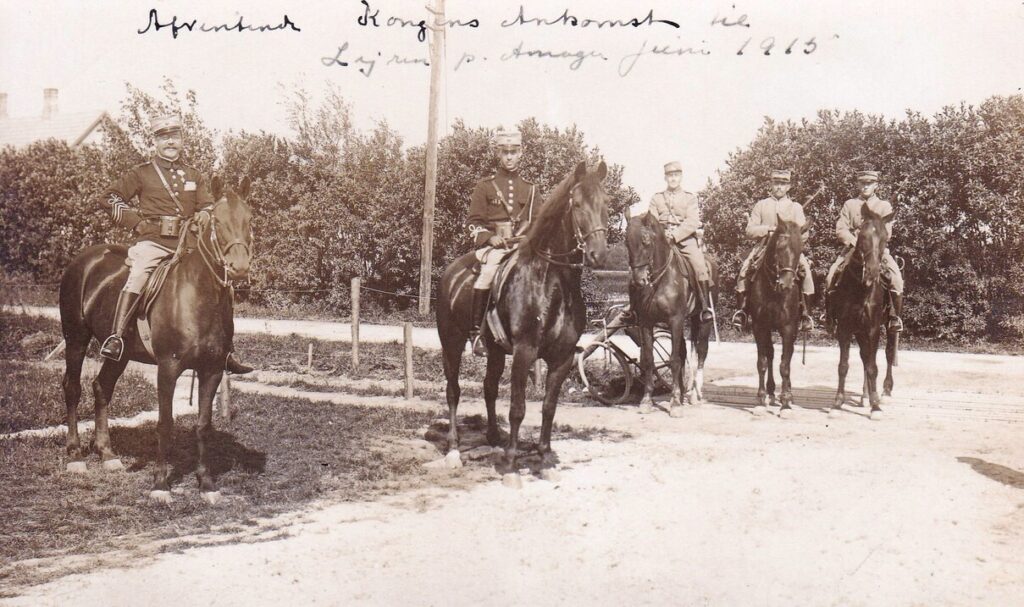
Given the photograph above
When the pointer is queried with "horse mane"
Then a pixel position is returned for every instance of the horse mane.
(550, 212)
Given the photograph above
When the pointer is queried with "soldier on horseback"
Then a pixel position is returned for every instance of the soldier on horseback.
(764, 218)
(169, 193)
(678, 211)
(847, 226)
(500, 209)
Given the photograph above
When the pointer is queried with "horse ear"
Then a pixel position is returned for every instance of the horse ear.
(602, 170)
(807, 224)
(889, 217)
(581, 171)
(867, 213)
(243, 189)
(217, 187)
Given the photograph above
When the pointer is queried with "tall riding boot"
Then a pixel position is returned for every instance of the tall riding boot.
(232, 364)
(479, 308)
(739, 319)
(806, 322)
(704, 295)
(113, 346)
(895, 322)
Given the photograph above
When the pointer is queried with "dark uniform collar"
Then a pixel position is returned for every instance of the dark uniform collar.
(163, 163)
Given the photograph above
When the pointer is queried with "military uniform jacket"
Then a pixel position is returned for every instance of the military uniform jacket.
(850, 218)
(503, 197)
(142, 181)
(678, 211)
(768, 211)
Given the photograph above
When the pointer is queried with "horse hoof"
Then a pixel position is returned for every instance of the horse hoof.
(759, 410)
(210, 497)
(113, 465)
(77, 467)
(512, 480)
(834, 412)
(646, 408)
(876, 415)
(550, 474)
(677, 411)
(453, 459)
(163, 497)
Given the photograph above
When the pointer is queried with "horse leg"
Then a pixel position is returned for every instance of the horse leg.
(844, 366)
(552, 387)
(495, 367)
(770, 367)
(208, 383)
(647, 368)
(890, 357)
(763, 340)
(700, 336)
(678, 368)
(74, 354)
(452, 359)
(868, 352)
(166, 377)
(786, 398)
(103, 390)
(523, 357)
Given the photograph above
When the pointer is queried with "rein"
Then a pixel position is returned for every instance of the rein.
(578, 236)
(213, 253)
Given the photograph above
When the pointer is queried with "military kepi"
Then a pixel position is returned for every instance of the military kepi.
(165, 124)
(781, 175)
(867, 176)
(502, 138)
(673, 167)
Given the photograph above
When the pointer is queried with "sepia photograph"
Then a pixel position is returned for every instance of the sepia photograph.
(511, 302)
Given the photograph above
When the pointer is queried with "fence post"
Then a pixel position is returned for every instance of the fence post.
(309, 359)
(408, 361)
(225, 397)
(355, 325)
(538, 376)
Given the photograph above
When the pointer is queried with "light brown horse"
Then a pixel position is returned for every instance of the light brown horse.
(191, 326)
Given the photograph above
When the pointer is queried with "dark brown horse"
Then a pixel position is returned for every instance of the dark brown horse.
(191, 328)
(774, 305)
(540, 306)
(661, 293)
(858, 302)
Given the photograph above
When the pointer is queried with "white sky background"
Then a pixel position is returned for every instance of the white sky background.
(875, 56)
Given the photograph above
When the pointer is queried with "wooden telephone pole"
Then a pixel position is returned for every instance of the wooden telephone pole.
(430, 193)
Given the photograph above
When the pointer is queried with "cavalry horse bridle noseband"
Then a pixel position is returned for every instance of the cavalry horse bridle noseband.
(578, 235)
(213, 253)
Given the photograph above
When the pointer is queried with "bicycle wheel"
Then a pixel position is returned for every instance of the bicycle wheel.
(606, 373)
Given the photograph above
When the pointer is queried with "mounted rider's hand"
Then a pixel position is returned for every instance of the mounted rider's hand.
(496, 241)
(203, 218)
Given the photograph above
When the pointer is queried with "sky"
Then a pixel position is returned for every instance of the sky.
(695, 106)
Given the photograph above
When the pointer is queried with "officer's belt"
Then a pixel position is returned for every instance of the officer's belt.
(170, 225)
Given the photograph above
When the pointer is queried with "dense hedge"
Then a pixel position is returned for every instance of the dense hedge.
(956, 181)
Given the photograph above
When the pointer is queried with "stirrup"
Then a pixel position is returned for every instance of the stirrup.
(739, 320)
(706, 315)
(806, 322)
(479, 347)
(235, 367)
(112, 348)
(896, 324)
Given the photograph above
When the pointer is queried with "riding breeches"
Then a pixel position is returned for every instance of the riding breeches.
(143, 257)
(490, 258)
(891, 274)
(691, 251)
(805, 268)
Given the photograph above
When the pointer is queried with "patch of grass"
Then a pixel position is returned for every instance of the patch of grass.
(32, 397)
(276, 455)
(14, 328)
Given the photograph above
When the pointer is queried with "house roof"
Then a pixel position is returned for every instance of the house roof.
(70, 127)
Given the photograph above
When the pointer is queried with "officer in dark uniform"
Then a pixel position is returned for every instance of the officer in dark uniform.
(169, 192)
(500, 209)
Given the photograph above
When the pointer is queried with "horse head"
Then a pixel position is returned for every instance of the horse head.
(230, 231)
(640, 241)
(784, 247)
(588, 209)
(872, 239)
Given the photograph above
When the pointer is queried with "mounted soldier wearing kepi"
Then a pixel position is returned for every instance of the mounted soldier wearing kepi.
(763, 221)
(847, 226)
(169, 192)
(500, 209)
(678, 211)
